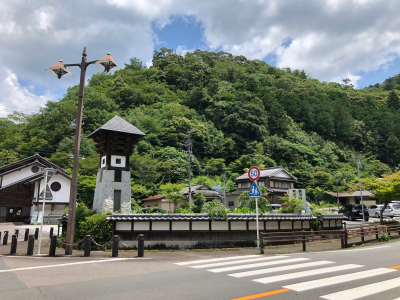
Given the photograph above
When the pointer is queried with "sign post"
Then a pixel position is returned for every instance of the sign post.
(48, 174)
(254, 174)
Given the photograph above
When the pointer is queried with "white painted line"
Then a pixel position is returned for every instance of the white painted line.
(63, 265)
(214, 259)
(357, 249)
(308, 285)
(306, 273)
(263, 264)
(260, 258)
(279, 269)
(365, 290)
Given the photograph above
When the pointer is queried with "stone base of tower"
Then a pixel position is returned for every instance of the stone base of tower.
(111, 196)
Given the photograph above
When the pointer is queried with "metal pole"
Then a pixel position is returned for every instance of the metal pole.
(74, 182)
(337, 194)
(359, 181)
(43, 204)
(190, 185)
(258, 232)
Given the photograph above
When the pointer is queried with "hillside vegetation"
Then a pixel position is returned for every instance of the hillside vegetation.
(242, 112)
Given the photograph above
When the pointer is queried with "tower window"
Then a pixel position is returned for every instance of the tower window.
(117, 176)
(118, 161)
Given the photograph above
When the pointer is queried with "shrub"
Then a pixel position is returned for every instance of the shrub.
(98, 227)
(81, 213)
(216, 209)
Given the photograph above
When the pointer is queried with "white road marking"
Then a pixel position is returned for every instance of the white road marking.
(278, 269)
(64, 265)
(357, 249)
(313, 284)
(260, 258)
(365, 290)
(306, 273)
(214, 259)
(263, 264)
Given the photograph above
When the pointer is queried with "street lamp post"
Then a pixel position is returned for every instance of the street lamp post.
(107, 63)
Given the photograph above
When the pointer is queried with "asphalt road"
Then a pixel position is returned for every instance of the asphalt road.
(360, 273)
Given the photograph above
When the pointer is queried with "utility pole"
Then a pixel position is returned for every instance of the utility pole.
(358, 158)
(189, 146)
(224, 191)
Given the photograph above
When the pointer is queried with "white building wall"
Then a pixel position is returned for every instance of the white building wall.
(17, 175)
(282, 174)
(63, 194)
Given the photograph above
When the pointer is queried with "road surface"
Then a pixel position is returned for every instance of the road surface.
(371, 272)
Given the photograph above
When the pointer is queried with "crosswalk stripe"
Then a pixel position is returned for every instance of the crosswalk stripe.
(263, 264)
(279, 269)
(313, 284)
(260, 258)
(214, 259)
(365, 290)
(306, 273)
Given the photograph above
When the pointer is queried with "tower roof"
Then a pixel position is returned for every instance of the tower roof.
(118, 124)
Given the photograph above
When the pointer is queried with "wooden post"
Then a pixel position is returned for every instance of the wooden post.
(304, 240)
(345, 235)
(362, 235)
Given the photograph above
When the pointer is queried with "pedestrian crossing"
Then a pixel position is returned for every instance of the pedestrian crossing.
(292, 274)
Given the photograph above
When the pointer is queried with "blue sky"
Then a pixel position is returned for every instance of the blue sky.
(329, 39)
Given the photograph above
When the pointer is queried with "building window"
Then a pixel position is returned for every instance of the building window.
(261, 183)
(231, 203)
(117, 176)
(244, 185)
(117, 200)
(282, 184)
(118, 161)
(35, 169)
(55, 186)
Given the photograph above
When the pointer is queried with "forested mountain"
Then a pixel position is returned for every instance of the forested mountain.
(242, 112)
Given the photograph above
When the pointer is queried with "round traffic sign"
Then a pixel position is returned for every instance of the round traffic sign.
(254, 173)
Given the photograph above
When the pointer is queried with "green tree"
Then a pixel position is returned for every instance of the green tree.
(199, 200)
(393, 101)
(173, 196)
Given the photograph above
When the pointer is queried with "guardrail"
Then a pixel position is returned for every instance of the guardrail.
(343, 235)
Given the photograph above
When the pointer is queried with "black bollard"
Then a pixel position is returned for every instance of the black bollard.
(53, 244)
(14, 240)
(36, 233)
(140, 245)
(88, 245)
(26, 234)
(5, 238)
(51, 232)
(31, 244)
(16, 231)
(115, 246)
(0, 235)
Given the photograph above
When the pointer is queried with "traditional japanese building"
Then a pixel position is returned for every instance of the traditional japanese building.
(22, 190)
(115, 141)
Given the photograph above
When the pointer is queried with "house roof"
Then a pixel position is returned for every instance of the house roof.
(119, 125)
(206, 217)
(209, 192)
(355, 194)
(323, 217)
(267, 172)
(36, 158)
(157, 197)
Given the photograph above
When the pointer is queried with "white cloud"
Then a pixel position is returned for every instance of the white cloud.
(14, 97)
(330, 39)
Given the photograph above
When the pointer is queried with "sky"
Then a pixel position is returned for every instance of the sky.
(329, 39)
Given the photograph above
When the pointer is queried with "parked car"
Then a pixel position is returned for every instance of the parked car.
(354, 211)
(396, 208)
(375, 210)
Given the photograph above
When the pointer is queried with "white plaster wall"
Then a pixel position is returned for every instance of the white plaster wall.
(297, 225)
(114, 159)
(123, 226)
(306, 225)
(282, 174)
(62, 195)
(220, 225)
(17, 175)
(338, 223)
(198, 225)
(160, 226)
(286, 225)
(326, 223)
(141, 226)
(235, 225)
(252, 225)
(271, 225)
(180, 226)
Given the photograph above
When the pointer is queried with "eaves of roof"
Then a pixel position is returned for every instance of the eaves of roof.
(206, 217)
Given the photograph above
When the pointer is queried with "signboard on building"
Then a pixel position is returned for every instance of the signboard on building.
(34, 217)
